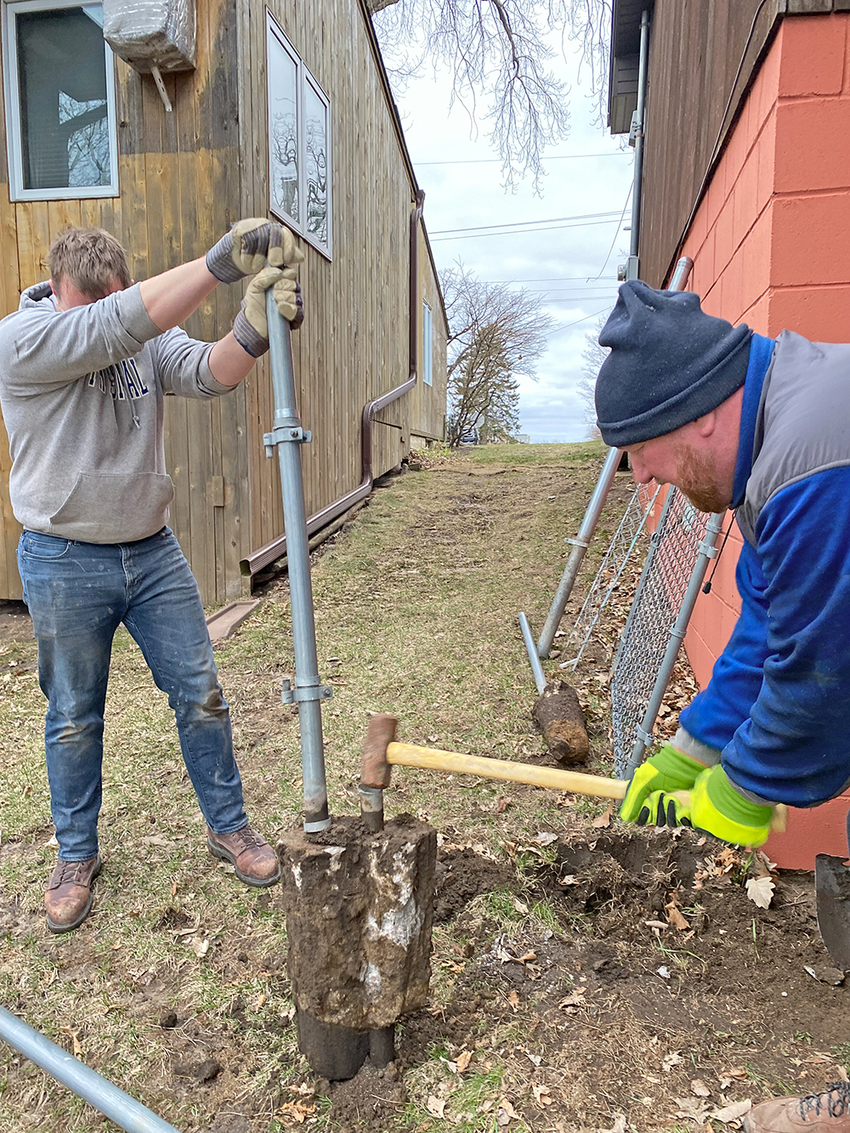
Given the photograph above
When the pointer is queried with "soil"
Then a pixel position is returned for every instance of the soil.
(590, 976)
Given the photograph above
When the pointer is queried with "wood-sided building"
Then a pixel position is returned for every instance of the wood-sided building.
(287, 112)
(746, 171)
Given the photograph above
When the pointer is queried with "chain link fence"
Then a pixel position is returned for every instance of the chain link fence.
(628, 539)
(679, 548)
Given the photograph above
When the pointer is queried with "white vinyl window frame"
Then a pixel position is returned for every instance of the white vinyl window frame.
(11, 91)
(427, 345)
(276, 37)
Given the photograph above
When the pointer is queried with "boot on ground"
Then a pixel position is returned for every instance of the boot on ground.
(250, 854)
(828, 1112)
(68, 898)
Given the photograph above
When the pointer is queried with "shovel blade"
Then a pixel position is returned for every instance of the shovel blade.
(832, 890)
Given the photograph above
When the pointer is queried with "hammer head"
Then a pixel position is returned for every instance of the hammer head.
(375, 770)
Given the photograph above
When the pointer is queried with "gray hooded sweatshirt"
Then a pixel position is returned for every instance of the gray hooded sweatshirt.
(81, 393)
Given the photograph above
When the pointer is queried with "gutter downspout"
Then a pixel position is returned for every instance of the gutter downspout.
(277, 548)
(633, 265)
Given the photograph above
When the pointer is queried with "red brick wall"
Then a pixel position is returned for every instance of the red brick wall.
(771, 247)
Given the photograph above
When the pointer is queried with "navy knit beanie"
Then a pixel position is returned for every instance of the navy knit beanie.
(670, 363)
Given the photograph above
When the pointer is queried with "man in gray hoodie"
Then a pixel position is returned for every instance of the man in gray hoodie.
(84, 366)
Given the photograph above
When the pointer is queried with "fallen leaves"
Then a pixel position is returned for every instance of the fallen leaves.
(760, 890)
(604, 819)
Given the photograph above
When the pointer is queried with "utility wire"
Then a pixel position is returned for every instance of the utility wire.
(522, 223)
(524, 231)
(617, 233)
(558, 330)
(496, 160)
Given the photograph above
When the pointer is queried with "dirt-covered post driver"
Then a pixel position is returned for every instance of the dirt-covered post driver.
(84, 365)
(737, 420)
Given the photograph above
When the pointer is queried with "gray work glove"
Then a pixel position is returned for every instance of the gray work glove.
(251, 327)
(245, 249)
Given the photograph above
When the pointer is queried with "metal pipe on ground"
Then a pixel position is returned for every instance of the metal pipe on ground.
(86, 1083)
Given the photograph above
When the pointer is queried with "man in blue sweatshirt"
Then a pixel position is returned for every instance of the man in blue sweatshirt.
(736, 420)
(84, 366)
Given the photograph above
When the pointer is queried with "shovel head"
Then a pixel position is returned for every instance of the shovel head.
(832, 890)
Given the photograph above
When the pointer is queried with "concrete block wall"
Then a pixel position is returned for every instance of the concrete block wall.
(771, 247)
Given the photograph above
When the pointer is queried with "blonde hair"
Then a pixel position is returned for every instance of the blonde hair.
(90, 259)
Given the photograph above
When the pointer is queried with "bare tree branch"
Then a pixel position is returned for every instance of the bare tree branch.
(496, 334)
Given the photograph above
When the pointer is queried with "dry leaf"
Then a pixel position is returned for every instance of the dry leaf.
(463, 1060)
(200, 947)
(505, 1112)
(733, 1112)
(544, 838)
(760, 890)
(570, 879)
(700, 1089)
(296, 1111)
(620, 1124)
(571, 1002)
(675, 918)
(502, 804)
(670, 1060)
(513, 999)
(75, 1039)
(604, 819)
(436, 1106)
(520, 907)
(541, 1094)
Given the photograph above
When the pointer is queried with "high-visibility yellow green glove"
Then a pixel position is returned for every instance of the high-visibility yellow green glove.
(245, 249)
(712, 805)
(668, 770)
(251, 326)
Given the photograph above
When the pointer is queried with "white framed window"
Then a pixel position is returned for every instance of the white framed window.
(299, 142)
(59, 87)
(427, 345)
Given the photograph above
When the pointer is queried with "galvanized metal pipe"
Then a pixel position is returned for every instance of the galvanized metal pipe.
(633, 267)
(580, 545)
(98, 1091)
(707, 551)
(531, 648)
(288, 436)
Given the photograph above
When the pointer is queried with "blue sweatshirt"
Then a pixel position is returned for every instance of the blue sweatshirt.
(775, 711)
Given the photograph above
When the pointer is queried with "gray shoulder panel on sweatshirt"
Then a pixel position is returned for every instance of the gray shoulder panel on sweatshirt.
(802, 425)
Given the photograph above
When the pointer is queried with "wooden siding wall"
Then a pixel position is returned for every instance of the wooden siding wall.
(353, 345)
(184, 177)
(179, 184)
(696, 48)
(428, 403)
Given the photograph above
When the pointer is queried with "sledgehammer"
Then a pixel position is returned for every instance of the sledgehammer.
(380, 752)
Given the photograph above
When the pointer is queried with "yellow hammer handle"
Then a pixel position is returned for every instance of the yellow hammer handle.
(409, 755)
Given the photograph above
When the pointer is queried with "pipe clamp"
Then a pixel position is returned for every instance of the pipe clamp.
(289, 695)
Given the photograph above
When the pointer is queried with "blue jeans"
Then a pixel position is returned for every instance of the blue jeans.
(78, 594)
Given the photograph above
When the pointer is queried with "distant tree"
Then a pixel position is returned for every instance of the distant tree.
(496, 334)
(497, 53)
(592, 358)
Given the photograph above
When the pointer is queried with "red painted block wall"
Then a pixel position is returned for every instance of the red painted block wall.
(771, 247)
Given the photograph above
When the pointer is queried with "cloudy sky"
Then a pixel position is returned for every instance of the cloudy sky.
(564, 245)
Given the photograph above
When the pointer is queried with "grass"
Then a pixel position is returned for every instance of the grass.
(416, 604)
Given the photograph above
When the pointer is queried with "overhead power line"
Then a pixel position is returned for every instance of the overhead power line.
(524, 223)
(525, 231)
(497, 161)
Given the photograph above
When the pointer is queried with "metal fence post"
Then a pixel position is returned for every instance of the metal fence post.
(591, 516)
(309, 692)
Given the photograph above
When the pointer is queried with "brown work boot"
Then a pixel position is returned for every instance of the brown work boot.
(68, 897)
(816, 1113)
(253, 858)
